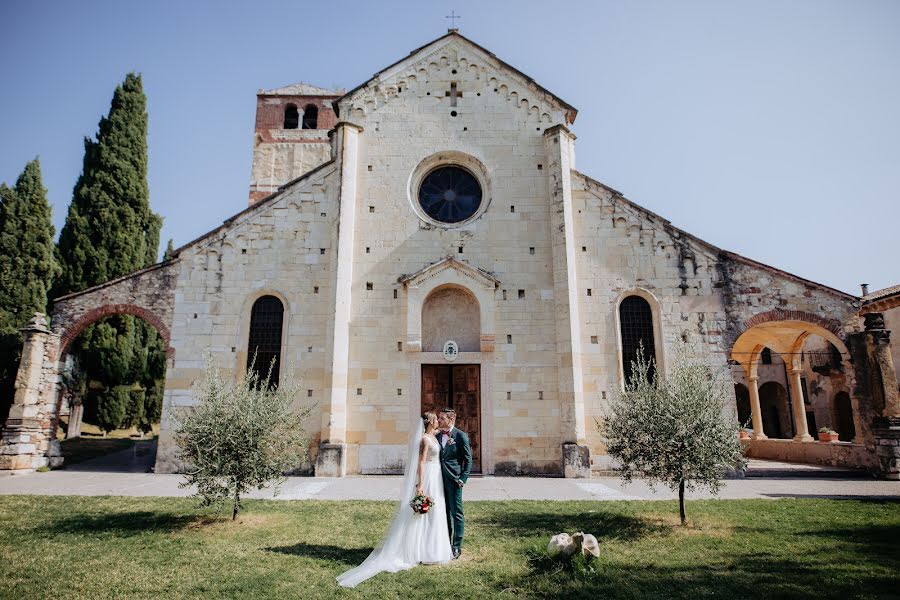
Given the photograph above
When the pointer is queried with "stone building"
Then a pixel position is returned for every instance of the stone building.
(426, 240)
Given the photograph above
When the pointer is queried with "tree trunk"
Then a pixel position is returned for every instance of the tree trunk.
(76, 412)
(681, 501)
(234, 510)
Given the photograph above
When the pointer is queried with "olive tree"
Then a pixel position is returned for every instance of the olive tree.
(241, 435)
(678, 429)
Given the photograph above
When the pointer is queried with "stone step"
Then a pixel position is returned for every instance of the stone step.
(785, 470)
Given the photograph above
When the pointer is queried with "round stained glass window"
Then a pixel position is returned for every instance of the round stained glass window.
(450, 195)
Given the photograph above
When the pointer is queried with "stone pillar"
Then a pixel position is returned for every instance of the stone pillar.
(559, 144)
(802, 428)
(332, 457)
(28, 440)
(882, 382)
(755, 410)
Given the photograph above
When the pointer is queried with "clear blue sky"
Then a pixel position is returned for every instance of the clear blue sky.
(769, 128)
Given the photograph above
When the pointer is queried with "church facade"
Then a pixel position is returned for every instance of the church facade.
(426, 240)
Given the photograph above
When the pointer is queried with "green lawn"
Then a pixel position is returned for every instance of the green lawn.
(70, 547)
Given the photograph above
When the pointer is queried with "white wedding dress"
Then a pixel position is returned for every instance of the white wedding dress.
(411, 538)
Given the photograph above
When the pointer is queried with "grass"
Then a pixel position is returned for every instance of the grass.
(80, 547)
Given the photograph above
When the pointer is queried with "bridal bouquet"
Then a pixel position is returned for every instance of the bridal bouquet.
(421, 504)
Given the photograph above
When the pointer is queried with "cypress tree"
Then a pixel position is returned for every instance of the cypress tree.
(170, 251)
(27, 267)
(110, 231)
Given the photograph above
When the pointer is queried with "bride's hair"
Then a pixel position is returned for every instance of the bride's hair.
(429, 419)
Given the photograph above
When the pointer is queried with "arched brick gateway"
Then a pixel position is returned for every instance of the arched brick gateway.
(73, 329)
(28, 440)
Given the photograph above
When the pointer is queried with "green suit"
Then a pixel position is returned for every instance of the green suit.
(456, 464)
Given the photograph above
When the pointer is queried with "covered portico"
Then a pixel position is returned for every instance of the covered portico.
(787, 333)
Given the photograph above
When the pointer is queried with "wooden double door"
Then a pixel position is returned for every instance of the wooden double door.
(457, 387)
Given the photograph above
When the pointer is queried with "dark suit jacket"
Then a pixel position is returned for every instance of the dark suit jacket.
(456, 457)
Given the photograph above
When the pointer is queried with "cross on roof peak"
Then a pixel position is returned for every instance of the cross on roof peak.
(453, 16)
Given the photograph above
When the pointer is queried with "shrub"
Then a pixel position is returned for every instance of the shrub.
(112, 407)
(678, 429)
(240, 436)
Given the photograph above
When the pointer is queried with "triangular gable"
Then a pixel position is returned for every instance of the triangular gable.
(478, 276)
(404, 65)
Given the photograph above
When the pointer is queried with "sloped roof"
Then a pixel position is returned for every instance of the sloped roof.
(883, 293)
(300, 89)
(571, 111)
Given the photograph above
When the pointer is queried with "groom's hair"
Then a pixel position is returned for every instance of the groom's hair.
(449, 412)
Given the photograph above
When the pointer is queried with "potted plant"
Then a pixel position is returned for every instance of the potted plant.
(827, 434)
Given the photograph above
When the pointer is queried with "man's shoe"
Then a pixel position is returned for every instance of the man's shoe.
(456, 553)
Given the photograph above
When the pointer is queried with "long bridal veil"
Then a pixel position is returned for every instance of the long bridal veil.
(390, 553)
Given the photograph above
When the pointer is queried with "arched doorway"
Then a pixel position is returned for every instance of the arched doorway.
(452, 313)
(112, 366)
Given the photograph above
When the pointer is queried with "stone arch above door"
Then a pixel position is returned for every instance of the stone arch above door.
(449, 273)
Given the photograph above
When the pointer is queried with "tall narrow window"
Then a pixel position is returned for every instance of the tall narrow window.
(636, 321)
(266, 319)
(310, 117)
(291, 117)
(765, 356)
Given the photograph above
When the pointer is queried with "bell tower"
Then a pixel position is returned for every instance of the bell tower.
(291, 135)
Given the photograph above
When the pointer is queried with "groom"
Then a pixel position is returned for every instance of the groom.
(456, 463)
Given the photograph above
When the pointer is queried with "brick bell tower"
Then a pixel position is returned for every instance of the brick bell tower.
(291, 135)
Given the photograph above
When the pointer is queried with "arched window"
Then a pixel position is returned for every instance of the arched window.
(636, 323)
(310, 117)
(291, 117)
(266, 319)
(766, 356)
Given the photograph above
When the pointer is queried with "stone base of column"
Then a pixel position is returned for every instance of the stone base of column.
(23, 447)
(332, 460)
(576, 461)
(886, 431)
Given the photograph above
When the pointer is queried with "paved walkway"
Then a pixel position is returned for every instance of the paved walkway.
(807, 485)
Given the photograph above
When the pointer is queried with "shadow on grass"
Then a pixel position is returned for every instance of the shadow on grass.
(871, 499)
(842, 562)
(123, 524)
(604, 525)
(350, 556)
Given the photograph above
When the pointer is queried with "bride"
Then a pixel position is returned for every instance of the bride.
(412, 538)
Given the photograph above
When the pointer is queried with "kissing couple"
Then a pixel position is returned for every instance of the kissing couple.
(438, 466)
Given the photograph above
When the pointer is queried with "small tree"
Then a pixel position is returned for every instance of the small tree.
(676, 429)
(242, 435)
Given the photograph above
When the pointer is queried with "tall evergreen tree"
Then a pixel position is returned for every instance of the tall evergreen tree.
(27, 267)
(110, 231)
(170, 251)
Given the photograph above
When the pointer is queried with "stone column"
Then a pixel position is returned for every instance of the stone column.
(755, 410)
(801, 434)
(559, 144)
(885, 398)
(332, 458)
(28, 438)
